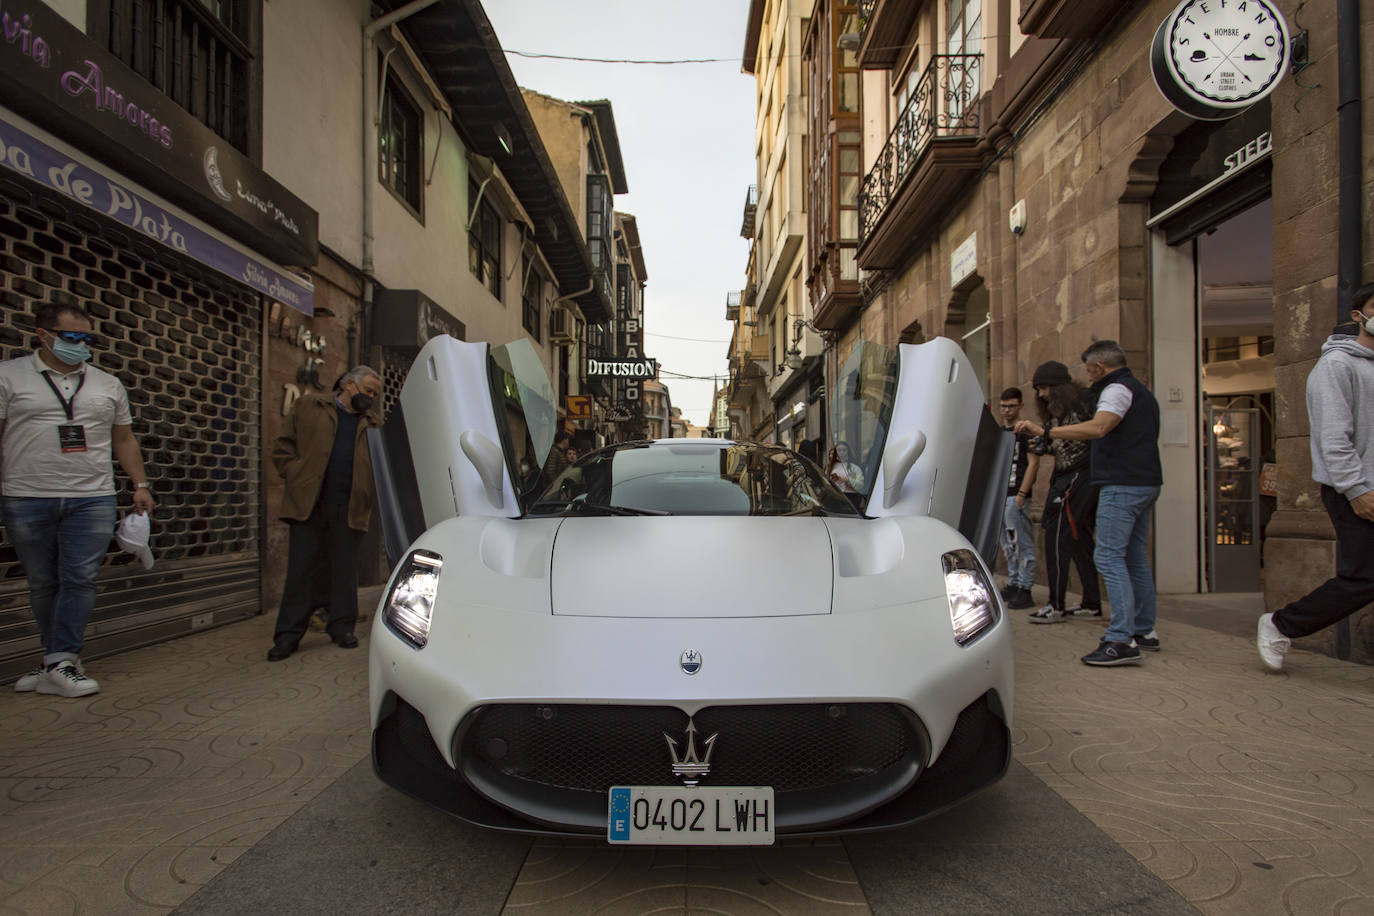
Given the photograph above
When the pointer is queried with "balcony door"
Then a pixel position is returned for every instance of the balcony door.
(964, 36)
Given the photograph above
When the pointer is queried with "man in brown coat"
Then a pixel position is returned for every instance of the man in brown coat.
(322, 455)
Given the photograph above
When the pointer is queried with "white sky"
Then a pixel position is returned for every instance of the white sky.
(687, 140)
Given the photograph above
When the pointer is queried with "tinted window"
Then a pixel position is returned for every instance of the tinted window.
(696, 479)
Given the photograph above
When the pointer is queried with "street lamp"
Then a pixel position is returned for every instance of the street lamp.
(794, 356)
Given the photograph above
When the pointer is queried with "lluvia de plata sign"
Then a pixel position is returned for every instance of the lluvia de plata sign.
(66, 83)
(622, 368)
(24, 151)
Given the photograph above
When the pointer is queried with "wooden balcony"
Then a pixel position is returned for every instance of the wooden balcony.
(930, 156)
(885, 25)
(1065, 18)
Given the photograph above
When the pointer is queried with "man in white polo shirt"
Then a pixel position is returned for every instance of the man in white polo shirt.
(60, 421)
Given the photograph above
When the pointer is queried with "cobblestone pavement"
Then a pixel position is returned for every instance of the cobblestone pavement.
(200, 767)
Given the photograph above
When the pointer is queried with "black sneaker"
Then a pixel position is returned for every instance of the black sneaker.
(1006, 591)
(1113, 653)
(1148, 641)
(1020, 598)
(1079, 610)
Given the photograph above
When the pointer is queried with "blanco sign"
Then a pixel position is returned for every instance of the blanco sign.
(622, 368)
(964, 260)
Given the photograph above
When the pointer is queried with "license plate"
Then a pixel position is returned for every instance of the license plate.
(687, 816)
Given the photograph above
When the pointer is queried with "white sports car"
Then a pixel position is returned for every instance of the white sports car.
(690, 641)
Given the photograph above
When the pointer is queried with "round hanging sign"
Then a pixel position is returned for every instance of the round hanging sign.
(1212, 59)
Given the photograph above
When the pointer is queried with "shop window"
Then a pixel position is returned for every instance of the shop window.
(484, 242)
(533, 300)
(401, 145)
(196, 52)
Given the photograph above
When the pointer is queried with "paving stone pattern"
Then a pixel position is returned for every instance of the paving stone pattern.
(206, 779)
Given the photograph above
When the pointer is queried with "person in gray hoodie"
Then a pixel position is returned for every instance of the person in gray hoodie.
(1340, 405)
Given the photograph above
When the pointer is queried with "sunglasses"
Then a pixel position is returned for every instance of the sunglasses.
(85, 337)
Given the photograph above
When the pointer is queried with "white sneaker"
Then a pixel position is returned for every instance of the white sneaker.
(66, 679)
(28, 682)
(1047, 614)
(1271, 643)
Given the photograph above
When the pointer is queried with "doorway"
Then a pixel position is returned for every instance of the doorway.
(1236, 316)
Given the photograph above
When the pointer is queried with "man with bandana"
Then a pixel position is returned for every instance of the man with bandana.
(322, 456)
(1340, 406)
(61, 419)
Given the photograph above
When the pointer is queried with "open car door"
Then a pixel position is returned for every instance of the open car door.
(916, 422)
(468, 416)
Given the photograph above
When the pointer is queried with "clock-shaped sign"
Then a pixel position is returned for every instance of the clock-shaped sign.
(1212, 59)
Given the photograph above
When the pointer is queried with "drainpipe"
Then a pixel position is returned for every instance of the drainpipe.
(1350, 241)
(371, 122)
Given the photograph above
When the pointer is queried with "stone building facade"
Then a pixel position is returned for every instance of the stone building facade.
(1027, 189)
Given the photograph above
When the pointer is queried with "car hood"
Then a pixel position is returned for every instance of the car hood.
(675, 567)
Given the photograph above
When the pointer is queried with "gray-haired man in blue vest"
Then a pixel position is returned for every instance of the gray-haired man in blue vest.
(1125, 464)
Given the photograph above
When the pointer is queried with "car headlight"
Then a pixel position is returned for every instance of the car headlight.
(410, 603)
(972, 606)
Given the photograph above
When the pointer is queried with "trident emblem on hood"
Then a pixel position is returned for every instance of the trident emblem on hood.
(689, 766)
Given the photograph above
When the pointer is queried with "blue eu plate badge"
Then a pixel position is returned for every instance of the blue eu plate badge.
(620, 814)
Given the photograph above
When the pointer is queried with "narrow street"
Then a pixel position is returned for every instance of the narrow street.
(206, 780)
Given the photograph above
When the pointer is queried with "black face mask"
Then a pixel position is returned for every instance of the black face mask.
(360, 402)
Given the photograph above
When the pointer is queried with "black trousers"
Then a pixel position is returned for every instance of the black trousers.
(1353, 586)
(322, 545)
(1070, 510)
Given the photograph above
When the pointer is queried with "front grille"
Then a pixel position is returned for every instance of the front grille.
(790, 747)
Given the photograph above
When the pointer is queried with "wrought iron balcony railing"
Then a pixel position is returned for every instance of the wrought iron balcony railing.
(945, 104)
(751, 206)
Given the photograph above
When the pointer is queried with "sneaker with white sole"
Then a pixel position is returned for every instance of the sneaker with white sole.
(1047, 614)
(29, 682)
(1079, 610)
(1109, 654)
(1148, 641)
(1272, 644)
(66, 679)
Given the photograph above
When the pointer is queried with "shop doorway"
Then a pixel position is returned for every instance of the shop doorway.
(1236, 375)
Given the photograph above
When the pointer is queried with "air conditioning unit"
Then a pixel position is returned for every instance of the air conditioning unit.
(562, 328)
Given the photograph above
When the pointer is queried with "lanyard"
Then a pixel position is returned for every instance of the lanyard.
(66, 402)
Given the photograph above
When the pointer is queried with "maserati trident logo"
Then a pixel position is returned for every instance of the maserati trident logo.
(690, 660)
(688, 765)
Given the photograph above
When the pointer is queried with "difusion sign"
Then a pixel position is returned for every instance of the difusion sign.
(55, 76)
(622, 368)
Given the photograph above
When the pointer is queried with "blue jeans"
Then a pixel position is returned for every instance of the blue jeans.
(61, 541)
(1122, 557)
(1018, 545)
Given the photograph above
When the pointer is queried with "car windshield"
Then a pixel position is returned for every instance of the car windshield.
(701, 478)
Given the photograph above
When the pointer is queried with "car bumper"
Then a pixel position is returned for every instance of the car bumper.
(957, 701)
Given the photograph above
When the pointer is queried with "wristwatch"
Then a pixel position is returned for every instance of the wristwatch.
(141, 486)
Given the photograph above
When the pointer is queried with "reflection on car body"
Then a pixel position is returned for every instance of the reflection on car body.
(689, 641)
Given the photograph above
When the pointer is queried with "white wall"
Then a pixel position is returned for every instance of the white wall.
(1177, 514)
(313, 144)
(312, 134)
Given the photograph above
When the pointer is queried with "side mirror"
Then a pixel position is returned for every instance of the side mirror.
(490, 463)
(900, 457)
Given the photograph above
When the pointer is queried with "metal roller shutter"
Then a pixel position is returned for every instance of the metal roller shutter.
(186, 342)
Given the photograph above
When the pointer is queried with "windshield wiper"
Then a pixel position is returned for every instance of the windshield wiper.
(574, 505)
(616, 510)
